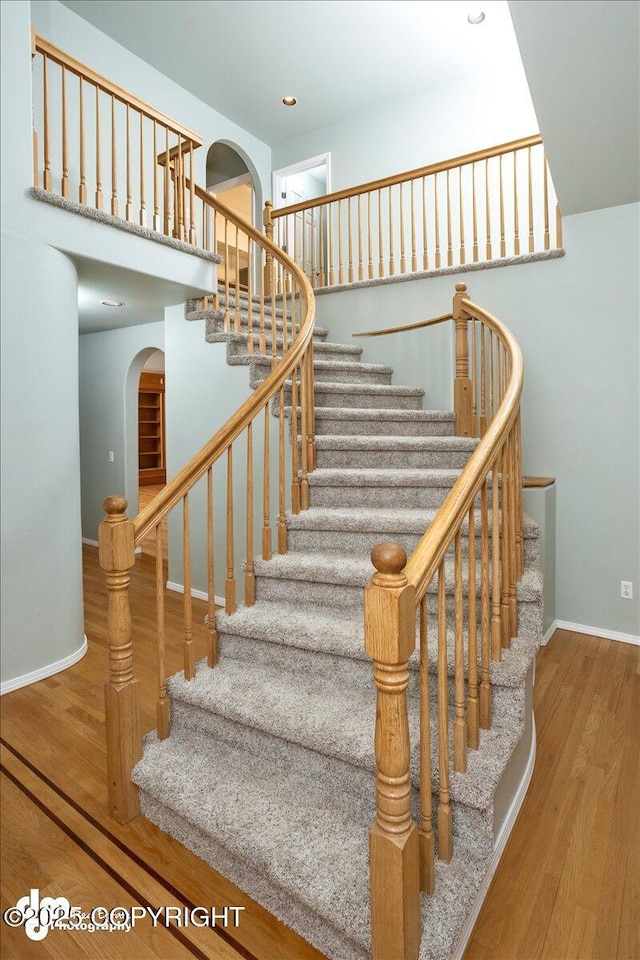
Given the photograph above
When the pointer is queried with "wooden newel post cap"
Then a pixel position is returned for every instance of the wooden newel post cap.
(389, 559)
(461, 288)
(115, 508)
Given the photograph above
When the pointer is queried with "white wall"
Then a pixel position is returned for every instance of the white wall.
(577, 321)
(110, 365)
(41, 551)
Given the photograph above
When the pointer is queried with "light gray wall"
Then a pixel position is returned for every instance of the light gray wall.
(110, 365)
(577, 321)
(41, 551)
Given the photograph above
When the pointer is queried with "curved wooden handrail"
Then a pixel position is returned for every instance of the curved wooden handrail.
(426, 558)
(408, 326)
(170, 495)
(461, 161)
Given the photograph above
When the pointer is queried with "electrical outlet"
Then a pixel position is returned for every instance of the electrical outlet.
(111, 456)
(626, 590)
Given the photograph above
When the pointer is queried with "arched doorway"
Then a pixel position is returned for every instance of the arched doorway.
(232, 179)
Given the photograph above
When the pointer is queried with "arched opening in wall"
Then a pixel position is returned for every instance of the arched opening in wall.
(152, 457)
(232, 179)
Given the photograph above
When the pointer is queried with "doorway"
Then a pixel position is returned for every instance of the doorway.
(231, 179)
(152, 461)
(303, 231)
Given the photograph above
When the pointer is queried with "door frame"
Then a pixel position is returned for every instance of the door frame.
(277, 176)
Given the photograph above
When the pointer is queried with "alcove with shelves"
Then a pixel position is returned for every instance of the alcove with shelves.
(151, 429)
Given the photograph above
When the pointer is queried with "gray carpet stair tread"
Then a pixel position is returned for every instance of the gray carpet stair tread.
(356, 366)
(335, 720)
(378, 389)
(324, 347)
(390, 442)
(372, 477)
(367, 519)
(386, 414)
(302, 834)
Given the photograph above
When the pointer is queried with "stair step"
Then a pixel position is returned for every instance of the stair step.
(368, 395)
(214, 324)
(381, 487)
(387, 421)
(343, 372)
(323, 349)
(353, 451)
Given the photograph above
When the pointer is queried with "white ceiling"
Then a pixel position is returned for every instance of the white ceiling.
(242, 56)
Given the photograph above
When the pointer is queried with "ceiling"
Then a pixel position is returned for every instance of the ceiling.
(242, 56)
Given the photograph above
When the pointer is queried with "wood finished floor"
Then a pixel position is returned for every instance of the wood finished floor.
(567, 886)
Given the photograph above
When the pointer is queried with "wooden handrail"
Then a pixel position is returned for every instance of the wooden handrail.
(407, 326)
(171, 495)
(426, 558)
(58, 56)
(431, 168)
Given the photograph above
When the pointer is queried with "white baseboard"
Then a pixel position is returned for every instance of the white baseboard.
(43, 672)
(498, 849)
(594, 632)
(550, 632)
(196, 594)
(90, 543)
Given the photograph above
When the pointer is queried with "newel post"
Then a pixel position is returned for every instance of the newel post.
(122, 701)
(389, 613)
(268, 266)
(462, 383)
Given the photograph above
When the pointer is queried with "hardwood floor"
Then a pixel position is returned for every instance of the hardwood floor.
(567, 886)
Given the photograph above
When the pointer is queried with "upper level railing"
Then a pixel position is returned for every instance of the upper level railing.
(491, 204)
(102, 146)
(473, 609)
(281, 330)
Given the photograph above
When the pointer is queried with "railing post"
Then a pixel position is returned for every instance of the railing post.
(462, 383)
(268, 266)
(122, 703)
(389, 616)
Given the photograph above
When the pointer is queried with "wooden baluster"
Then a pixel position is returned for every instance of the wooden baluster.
(475, 213)
(282, 514)
(143, 204)
(505, 603)
(460, 719)
(304, 423)
(360, 268)
(156, 197)
(303, 244)
(530, 182)
(330, 230)
(496, 630)
(503, 248)
(369, 238)
(380, 241)
(167, 216)
(485, 651)
(340, 261)
(449, 238)
(192, 189)
(483, 382)
(392, 268)
(403, 259)
(212, 633)
(473, 706)
(267, 547)
(518, 487)
(461, 211)
(491, 378)
(516, 211)
(116, 555)
(230, 582)
(250, 307)
(414, 253)
(65, 141)
(349, 241)
(513, 536)
(267, 222)
(180, 180)
(323, 271)
(237, 314)
(274, 331)
(462, 383)
(249, 575)
(82, 189)
(114, 161)
(545, 188)
(445, 825)
(98, 197)
(162, 707)
(262, 320)
(436, 214)
(425, 231)
(487, 207)
(311, 410)
(475, 427)
(426, 838)
(189, 651)
(227, 306)
(128, 205)
(47, 180)
(558, 227)
(295, 445)
(389, 605)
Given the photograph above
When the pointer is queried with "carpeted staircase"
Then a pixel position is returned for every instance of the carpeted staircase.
(269, 770)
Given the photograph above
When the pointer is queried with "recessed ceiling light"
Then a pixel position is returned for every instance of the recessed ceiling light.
(476, 16)
(112, 303)
(289, 101)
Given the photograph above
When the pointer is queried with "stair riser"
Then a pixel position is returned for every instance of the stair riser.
(384, 428)
(215, 328)
(332, 375)
(361, 544)
(359, 401)
(238, 352)
(392, 459)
